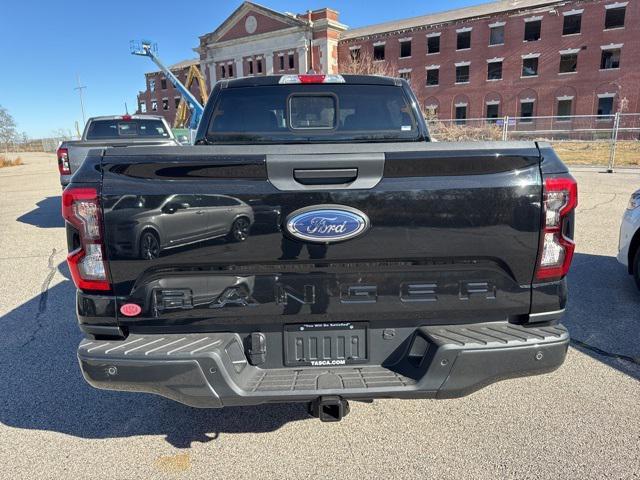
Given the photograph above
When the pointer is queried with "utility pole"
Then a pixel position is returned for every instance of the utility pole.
(79, 88)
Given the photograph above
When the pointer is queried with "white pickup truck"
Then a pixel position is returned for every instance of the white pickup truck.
(112, 131)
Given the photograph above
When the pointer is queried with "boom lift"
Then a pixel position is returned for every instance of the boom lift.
(182, 114)
(148, 49)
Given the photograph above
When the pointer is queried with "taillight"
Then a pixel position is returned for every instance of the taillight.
(63, 161)
(556, 247)
(311, 78)
(80, 207)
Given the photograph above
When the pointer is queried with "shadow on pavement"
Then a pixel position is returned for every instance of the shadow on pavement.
(602, 314)
(47, 214)
(43, 389)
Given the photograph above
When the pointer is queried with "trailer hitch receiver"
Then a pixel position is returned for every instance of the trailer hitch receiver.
(329, 408)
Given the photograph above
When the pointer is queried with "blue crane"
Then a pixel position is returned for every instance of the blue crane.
(148, 49)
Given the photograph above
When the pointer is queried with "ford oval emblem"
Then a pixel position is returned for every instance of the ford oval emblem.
(327, 223)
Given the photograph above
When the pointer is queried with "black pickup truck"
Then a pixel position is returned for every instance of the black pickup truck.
(315, 246)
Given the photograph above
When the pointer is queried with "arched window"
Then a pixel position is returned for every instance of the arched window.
(492, 105)
(607, 102)
(565, 103)
(461, 109)
(527, 105)
(432, 107)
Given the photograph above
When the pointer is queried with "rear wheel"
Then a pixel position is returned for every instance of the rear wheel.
(636, 267)
(149, 246)
(239, 230)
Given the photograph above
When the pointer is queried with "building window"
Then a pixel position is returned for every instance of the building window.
(142, 106)
(461, 113)
(165, 104)
(259, 65)
(564, 109)
(494, 70)
(530, 67)
(292, 61)
(572, 24)
(223, 72)
(433, 44)
(250, 67)
(152, 85)
(405, 48)
(230, 69)
(281, 62)
(493, 110)
(526, 111)
(568, 63)
(496, 35)
(163, 83)
(614, 17)
(405, 75)
(355, 54)
(433, 77)
(176, 102)
(532, 30)
(605, 105)
(462, 74)
(378, 52)
(154, 105)
(610, 59)
(464, 40)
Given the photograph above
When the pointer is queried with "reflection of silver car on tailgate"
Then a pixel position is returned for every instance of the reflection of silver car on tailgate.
(147, 225)
(629, 244)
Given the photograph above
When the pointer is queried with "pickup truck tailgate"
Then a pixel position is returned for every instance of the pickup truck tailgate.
(197, 236)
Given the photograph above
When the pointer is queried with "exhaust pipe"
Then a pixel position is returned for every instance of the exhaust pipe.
(329, 409)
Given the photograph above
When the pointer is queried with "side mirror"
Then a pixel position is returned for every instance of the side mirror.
(170, 208)
(173, 207)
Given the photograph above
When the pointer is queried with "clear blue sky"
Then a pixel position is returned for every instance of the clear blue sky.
(43, 44)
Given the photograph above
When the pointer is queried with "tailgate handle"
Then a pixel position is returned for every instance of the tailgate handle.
(325, 176)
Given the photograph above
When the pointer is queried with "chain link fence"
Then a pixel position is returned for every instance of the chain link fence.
(49, 145)
(602, 140)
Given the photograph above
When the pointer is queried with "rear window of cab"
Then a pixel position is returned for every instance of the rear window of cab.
(312, 113)
(119, 128)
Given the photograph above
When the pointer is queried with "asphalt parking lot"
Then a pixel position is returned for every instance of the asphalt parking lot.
(582, 421)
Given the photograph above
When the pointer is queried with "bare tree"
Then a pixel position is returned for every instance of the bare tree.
(62, 134)
(7, 128)
(360, 63)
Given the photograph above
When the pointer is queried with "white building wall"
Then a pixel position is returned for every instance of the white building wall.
(265, 44)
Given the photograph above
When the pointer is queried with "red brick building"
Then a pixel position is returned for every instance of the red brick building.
(515, 57)
(255, 40)
(160, 97)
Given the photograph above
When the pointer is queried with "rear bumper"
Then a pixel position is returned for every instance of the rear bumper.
(212, 370)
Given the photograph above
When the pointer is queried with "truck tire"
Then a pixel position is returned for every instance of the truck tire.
(239, 231)
(149, 245)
